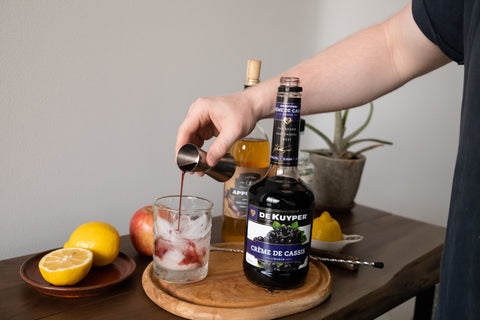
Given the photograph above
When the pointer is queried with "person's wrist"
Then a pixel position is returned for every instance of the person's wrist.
(262, 100)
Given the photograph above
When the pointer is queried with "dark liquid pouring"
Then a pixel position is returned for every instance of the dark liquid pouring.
(180, 202)
(191, 254)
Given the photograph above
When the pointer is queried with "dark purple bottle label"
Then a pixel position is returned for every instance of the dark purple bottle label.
(286, 133)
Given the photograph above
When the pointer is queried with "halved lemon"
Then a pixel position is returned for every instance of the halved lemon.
(66, 267)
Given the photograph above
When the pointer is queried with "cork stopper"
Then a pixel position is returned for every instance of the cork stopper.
(253, 72)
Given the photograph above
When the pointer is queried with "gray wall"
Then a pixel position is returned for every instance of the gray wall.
(92, 93)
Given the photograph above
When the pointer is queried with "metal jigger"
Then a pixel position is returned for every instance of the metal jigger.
(190, 158)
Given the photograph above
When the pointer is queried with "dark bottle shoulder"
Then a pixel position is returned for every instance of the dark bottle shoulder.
(281, 193)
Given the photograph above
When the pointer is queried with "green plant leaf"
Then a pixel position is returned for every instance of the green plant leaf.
(368, 140)
(294, 225)
(338, 140)
(276, 225)
(344, 118)
(322, 135)
(361, 128)
(354, 154)
(339, 146)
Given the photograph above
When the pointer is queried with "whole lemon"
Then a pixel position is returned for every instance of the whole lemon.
(325, 228)
(99, 237)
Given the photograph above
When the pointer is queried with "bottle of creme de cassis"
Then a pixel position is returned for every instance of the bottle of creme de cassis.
(280, 206)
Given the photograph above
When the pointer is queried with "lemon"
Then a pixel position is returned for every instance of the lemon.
(65, 267)
(99, 237)
(325, 228)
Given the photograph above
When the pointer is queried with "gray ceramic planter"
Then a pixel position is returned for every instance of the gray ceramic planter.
(336, 181)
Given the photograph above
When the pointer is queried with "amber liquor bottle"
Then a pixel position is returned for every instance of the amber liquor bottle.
(280, 206)
(252, 157)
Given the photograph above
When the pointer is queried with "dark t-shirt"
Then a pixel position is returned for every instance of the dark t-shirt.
(454, 26)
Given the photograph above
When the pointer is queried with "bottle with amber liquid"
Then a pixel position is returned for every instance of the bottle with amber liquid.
(252, 157)
(280, 206)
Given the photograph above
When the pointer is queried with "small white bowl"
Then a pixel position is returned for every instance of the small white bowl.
(336, 246)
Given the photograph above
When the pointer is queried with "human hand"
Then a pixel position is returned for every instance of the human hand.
(228, 118)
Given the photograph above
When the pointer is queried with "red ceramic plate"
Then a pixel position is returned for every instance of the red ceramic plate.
(97, 280)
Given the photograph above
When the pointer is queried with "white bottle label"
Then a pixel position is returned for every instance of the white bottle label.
(278, 240)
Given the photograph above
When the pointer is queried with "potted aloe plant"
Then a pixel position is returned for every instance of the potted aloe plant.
(338, 170)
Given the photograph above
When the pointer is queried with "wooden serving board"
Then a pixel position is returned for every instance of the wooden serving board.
(227, 294)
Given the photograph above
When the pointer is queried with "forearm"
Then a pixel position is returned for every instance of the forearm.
(360, 68)
(351, 73)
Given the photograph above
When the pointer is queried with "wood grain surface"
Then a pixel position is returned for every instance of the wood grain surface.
(226, 292)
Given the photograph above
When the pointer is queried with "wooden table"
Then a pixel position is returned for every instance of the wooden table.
(411, 251)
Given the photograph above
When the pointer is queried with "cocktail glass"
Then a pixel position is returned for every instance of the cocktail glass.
(182, 231)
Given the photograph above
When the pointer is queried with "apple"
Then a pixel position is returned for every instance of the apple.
(141, 230)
